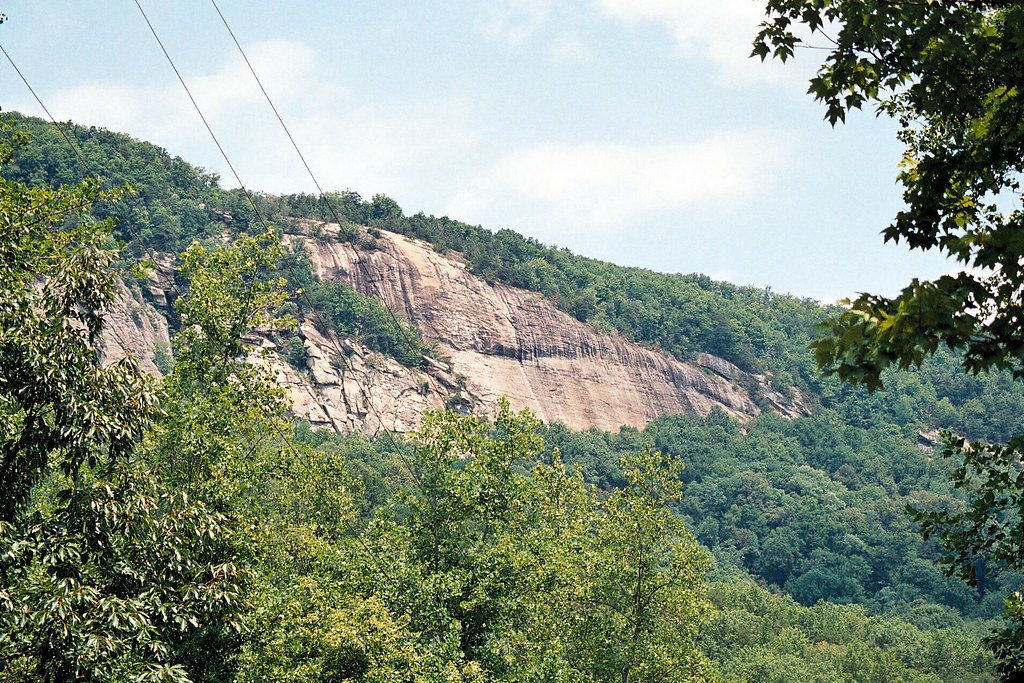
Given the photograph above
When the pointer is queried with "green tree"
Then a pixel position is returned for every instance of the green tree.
(58, 408)
(511, 566)
(224, 438)
(456, 548)
(644, 598)
(220, 402)
(114, 578)
(105, 574)
(952, 75)
(308, 623)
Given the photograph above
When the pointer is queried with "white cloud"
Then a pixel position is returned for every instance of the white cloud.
(723, 275)
(598, 186)
(287, 70)
(161, 112)
(366, 146)
(374, 148)
(557, 26)
(569, 47)
(719, 31)
(514, 21)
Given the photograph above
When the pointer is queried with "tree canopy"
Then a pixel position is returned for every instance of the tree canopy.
(106, 574)
(951, 73)
(216, 541)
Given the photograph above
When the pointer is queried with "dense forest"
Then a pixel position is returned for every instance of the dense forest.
(187, 529)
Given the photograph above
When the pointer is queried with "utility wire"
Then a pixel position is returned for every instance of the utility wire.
(77, 152)
(82, 160)
(267, 96)
(199, 111)
(150, 252)
(287, 443)
(334, 213)
(263, 221)
(323, 195)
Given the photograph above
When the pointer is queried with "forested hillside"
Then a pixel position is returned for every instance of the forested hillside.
(173, 202)
(774, 550)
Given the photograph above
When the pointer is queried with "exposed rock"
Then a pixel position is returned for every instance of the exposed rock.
(161, 281)
(347, 387)
(493, 341)
(928, 440)
(789, 404)
(511, 342)
(722, 367)
(135, 329)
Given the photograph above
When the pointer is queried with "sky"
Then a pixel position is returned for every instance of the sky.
(632, 131)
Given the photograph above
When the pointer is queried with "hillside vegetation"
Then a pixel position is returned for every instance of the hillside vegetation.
(343, 557)
(174, 202)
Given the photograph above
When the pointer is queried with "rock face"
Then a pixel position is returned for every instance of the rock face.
(493, 341)
(790, 404)
(137, 330)
(510, 342)
(346, 387)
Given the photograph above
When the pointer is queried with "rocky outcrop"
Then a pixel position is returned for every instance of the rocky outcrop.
(346, 387)
(510, 342)
(788, 401)
(135, 329)
(722, 367)
(492, 341)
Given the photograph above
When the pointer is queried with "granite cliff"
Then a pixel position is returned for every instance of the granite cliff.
(491, 340)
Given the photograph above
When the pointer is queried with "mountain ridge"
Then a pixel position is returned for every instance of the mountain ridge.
(492, 340)
(759, 332)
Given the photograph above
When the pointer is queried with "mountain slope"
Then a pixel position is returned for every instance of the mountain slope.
(490, 340)
(686, 316)
(510, 342)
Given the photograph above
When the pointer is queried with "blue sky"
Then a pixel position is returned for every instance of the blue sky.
(633, 131)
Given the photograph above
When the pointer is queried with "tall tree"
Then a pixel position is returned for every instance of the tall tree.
(58, 407)
(105, 573)
(643, 600)
(511, 567)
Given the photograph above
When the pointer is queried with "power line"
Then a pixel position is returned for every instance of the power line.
(334, 213)
(150, 252)
(199, 111)
(295, 146)
(76, 151)
(263, 221)
(288, 443)
(245, 190)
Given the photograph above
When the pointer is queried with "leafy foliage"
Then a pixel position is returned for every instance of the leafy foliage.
(644, 612)
(351, 315)
(170, 202)
(553, 604)
(812, 506)
(950, 74)
(56, 282)
(106, 574)
(475, 554)
(528, 576)
(117, 583)
(760, 636)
